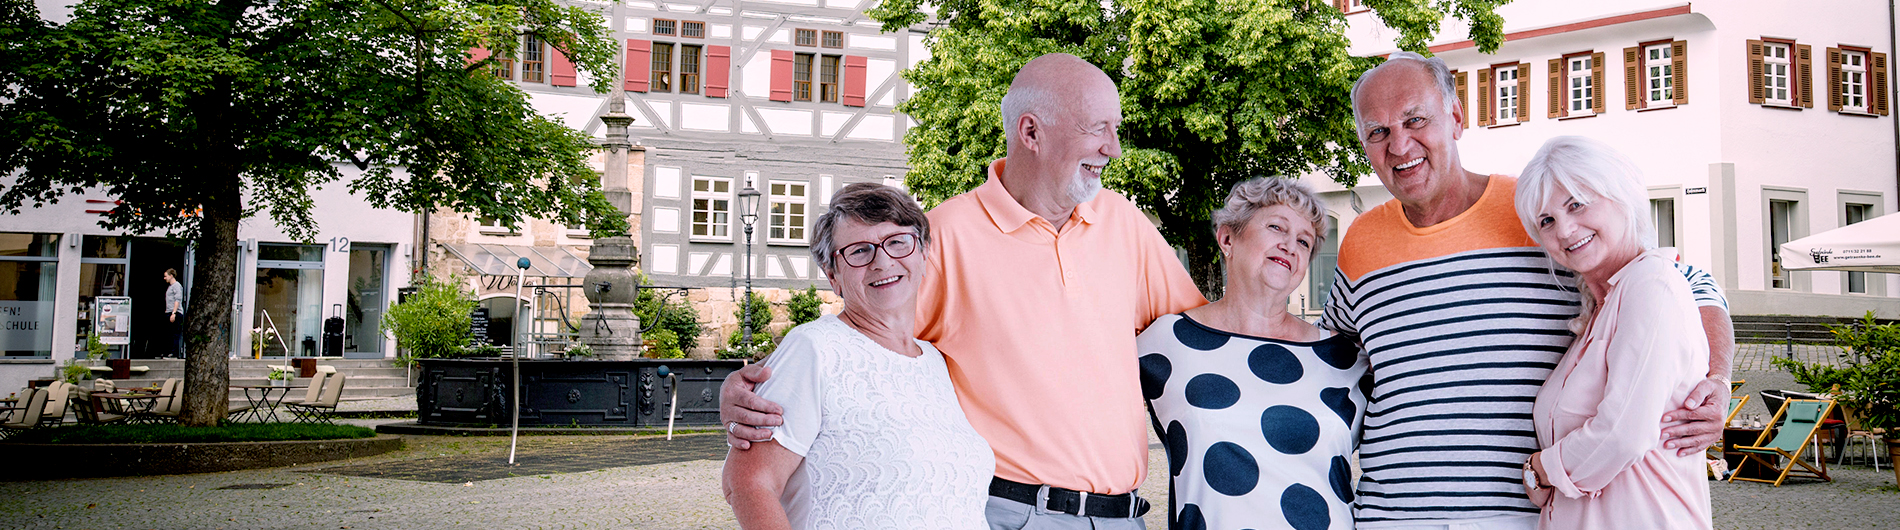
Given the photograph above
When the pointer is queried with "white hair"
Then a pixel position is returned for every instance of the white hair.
(1583, 168)
(1025, 99)
(1447, 87)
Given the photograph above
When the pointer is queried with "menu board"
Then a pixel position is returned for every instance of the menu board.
(478, 326)
(113, 322)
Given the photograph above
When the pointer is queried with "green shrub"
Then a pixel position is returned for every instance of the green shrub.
(762, 346)
(672, 313)
(662, 343)
(73, 372)
(1868, 373)
(433, 322)
(804, 306)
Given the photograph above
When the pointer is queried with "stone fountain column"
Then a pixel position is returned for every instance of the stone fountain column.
(612, 329)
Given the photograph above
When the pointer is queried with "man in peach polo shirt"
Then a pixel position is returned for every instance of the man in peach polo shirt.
(1037, 286)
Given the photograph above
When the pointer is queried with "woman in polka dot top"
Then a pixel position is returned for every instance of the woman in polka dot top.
(1259, 410)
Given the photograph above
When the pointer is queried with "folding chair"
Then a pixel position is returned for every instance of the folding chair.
(57, 396)
(1799, 419)
(28, 416)
(323, 410)
(1734, 405)
(92, 411)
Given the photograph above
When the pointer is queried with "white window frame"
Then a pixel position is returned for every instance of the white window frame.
(717, 206)
(1506, 88)
(484, 227)
(1853, 81)
(1580, 89)
(1780, 68)
(773, 217)
(1797, 227)
(1659, 75)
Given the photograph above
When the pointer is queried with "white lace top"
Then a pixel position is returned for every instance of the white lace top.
(884, 441)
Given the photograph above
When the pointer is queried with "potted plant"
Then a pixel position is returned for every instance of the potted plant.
(1867, 379)
(280, 375)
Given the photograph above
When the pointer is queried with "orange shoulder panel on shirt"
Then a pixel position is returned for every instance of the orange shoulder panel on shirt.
(1383, 237)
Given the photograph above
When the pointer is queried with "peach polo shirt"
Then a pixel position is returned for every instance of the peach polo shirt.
(1038, 329)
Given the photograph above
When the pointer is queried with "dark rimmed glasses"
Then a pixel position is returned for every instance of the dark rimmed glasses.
(897, 246)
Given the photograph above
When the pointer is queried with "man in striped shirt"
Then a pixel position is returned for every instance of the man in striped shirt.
(1462, 316)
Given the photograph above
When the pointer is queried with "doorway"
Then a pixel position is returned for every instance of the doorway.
(152, 334)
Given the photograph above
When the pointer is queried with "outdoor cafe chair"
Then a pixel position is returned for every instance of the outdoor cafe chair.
(323, 410)
(28, 416)
(1799, 419)
(91, 411)
(311, 393)
(169, 402)
(57, 397)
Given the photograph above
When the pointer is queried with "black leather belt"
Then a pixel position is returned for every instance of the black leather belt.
(1054, 499)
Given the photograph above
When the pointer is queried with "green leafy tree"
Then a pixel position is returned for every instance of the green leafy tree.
(433, 322)
(1213, 92)
(671, 313)
(199, 114)
(804, 306)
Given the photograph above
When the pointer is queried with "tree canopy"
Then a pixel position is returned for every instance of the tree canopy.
(198, 114)
(1213, 92)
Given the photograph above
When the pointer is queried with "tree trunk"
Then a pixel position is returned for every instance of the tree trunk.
(1203, 265)
(208, 343)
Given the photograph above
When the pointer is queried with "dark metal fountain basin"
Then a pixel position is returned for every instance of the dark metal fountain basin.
(476, 392)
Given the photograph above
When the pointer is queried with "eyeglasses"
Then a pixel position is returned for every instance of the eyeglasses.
(897, 246)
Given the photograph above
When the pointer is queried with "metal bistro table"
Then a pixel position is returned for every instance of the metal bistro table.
(263, 405)
(137, 406)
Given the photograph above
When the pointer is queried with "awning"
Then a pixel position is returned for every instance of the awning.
(499, 260)
(1868, 246)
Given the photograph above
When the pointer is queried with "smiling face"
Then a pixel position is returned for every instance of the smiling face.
(1273, 251)
(1084, 139)
(1585, 233)
(1409, 137)
(886, 284)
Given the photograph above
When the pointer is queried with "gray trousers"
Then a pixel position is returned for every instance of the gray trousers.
(1005, 514)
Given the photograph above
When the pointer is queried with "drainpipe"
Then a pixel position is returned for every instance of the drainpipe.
(1893, 45)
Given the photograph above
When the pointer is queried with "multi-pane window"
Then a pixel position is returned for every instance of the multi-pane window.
(1780, 230)
(689, 69)
(1857, 281)
(1854, 81)
(534, 61)
(801, 77)
(712, 207)
(1582, 85)
(1775, 82)
(662, 80)
(695, 30)
(805, 37)
(663, 26)
(787, 220)
(505, 68)
(1663, 211)
(1659, 74)
(834, 39)
(1507, 94)
(828, 79)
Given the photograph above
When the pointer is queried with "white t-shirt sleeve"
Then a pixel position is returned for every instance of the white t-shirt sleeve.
(797, 384)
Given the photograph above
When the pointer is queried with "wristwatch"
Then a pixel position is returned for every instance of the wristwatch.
(1530, 476)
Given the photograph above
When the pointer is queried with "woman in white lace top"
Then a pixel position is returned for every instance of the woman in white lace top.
(873, 436)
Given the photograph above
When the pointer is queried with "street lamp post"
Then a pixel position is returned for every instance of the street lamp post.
(748, 214)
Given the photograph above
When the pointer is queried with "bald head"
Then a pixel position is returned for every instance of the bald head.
(1049, 87)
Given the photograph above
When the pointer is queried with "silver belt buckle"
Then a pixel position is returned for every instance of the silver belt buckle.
(1082, 503)
(1042, 498)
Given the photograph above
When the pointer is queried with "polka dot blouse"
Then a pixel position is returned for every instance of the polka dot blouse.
(1258, 431)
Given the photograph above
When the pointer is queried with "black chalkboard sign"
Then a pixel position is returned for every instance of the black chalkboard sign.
(478, 326)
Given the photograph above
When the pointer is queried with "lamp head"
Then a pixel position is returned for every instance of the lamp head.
(521, 263)
(663, 370)
(749, 204)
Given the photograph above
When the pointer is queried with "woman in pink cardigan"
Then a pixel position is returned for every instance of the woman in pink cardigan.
(1639, 350)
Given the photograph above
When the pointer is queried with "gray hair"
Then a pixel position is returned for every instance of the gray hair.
(1573, 165)
(1260, 193)
(1447, 87)
(867, 203)
(1026, 99)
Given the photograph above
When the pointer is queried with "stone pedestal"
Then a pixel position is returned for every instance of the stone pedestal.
(611, 328)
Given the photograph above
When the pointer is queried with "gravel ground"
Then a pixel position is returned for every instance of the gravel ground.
(685, 495)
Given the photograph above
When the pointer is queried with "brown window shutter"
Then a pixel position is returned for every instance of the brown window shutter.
(1633, 78)
(1679, 62)
(1755, 67)
(1523, 92)
(1805, 59)
(1340, 5)
(1485, 98)
(1555, 73)
(639, 68)
(1834, 79)
(1878, 75)
(1596, 83)
(1463, 107)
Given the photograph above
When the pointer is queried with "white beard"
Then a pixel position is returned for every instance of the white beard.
(1083, 189)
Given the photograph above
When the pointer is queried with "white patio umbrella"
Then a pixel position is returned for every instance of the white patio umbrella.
(1868, 246)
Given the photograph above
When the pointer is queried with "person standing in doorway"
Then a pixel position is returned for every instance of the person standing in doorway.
(174, 315)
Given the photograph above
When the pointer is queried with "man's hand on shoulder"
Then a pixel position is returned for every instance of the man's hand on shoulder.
(743, 412)
(1701, 416)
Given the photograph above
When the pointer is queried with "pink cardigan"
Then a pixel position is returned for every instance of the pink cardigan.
(1598, 416)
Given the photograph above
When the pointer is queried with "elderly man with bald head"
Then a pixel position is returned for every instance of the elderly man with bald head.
(1036, 285)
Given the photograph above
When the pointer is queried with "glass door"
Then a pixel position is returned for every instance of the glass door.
(363, 313)
(289, 302)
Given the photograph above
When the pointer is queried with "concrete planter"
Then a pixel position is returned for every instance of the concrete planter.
(57, 461)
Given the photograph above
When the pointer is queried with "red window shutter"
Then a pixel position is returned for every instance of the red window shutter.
(718, 70)
(639, 67)
(854, 80)
(476, 55)
(781, 75)
(561, 73)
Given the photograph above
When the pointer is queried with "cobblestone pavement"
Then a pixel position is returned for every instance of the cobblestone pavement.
(571, 490)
